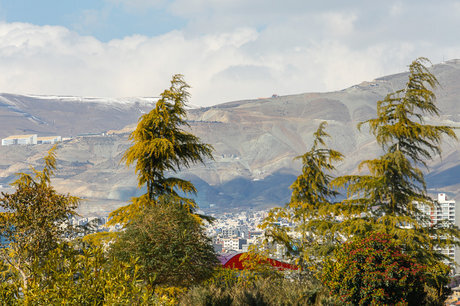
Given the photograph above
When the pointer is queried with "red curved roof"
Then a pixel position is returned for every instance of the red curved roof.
(233, 261)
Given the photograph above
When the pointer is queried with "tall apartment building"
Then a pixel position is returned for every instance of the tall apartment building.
(445, 209)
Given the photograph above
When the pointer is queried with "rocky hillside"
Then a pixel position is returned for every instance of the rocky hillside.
(67, 116)
(255, 141)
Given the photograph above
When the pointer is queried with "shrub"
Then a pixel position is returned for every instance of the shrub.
(170, 244)
(374, 271)
(234, 287)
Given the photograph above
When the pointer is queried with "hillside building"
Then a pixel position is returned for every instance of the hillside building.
(49, 140)
(20, 140)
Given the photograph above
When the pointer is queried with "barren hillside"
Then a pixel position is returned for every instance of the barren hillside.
(255, 141)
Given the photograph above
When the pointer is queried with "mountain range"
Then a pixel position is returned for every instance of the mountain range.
(255, 141)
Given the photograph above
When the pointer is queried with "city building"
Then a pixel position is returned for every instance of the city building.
(233, 244)
(230, 232)
(444, 210)
(49, 140)
(20, 140)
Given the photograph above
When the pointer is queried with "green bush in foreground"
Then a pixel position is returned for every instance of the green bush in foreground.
(33, 220)
(75, 276)
(374, 271)
(170, 244)
(246, 287)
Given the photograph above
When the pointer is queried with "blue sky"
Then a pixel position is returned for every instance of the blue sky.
(227, 49)
(104, 20)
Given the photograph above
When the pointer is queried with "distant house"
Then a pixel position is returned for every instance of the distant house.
(20, 140)
(49, 140)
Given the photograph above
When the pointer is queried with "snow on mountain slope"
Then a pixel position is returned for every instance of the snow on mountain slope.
(255, 141)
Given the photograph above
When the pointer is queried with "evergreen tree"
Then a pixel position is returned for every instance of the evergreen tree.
(309, 209)
(389, 198)
(161, 146)
(161, 228)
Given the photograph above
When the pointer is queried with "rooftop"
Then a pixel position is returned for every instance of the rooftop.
(20, 136)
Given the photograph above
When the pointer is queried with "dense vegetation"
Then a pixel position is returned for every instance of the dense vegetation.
(376, 272)
(374, 247)
(170, 245)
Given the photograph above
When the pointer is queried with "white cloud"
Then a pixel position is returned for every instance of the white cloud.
(54, 60)
(230, 50)
(396, 9)
(235, 39)
(339, 23)
(139, 4)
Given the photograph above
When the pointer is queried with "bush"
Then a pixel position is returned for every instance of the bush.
(234, 287)
(170, 244)
(374, 271)
(74, 276)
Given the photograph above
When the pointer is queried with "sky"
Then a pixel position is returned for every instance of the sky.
(227, 50)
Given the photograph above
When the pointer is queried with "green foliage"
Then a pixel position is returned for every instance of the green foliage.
(234, 287)
(374, 271)
(310, 206)
(39, 266)
(389, 198)
(34, 220)
(161, 145)
(9, 285)
(438, 276)
(400, 124)
(170, 245)
(75, 276)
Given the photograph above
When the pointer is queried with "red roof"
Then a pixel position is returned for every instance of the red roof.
(235, 262)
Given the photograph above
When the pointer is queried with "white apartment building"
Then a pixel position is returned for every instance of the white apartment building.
(232, 243)
(445, 209)
(20, 140)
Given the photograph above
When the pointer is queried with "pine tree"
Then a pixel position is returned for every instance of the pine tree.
(389, 198)
(309, 210)
(162, 146)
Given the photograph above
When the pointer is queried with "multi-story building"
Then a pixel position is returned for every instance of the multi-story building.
(230, 232)
(234, 244)
(444, 210)
(20, 140)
